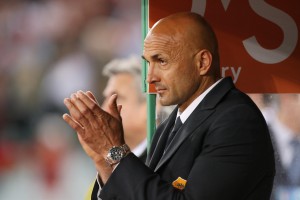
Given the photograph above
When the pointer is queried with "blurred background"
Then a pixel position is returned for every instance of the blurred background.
(49, 49)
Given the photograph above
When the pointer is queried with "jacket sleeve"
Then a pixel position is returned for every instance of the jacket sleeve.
(235, 162)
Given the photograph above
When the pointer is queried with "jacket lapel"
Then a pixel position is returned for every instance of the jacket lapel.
(198, 116)
(160, 140)
(187, 129)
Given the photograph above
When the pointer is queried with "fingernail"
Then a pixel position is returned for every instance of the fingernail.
(74, 96)
(67, 101)
(80, 92)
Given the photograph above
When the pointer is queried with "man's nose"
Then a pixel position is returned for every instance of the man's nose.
(151, 75)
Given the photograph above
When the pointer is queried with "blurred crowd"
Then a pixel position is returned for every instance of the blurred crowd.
(49, 49)
(282, 113)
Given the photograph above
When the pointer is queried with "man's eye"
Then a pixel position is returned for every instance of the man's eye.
(162, 62)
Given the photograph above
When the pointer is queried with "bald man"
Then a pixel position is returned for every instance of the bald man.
(218, 148)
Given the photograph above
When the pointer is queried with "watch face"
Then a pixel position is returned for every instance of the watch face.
(116, 153)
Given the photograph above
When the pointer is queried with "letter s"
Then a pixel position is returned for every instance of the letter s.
(199, 6)
(290, 34)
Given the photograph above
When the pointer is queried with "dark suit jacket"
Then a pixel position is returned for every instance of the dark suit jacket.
(95, 189)
(223, 150)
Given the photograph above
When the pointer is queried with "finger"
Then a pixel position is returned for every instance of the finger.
(113, 108)
(90, 119)
(90, 94)
(91, 110)
(75, 112)
(90, 103)
(73, 124)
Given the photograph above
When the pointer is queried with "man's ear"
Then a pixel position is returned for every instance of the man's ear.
(204, 60)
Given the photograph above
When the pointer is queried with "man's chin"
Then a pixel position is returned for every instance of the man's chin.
(165, 102)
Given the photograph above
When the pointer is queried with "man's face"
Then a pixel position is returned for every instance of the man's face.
(133, 111)
(172, 69)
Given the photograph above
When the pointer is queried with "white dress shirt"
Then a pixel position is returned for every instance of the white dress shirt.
(140, 148)
(188, 111)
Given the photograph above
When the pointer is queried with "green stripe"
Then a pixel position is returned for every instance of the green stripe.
(151, 98)
(145, 26)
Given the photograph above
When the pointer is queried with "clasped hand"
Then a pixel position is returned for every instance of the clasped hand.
(97, 130)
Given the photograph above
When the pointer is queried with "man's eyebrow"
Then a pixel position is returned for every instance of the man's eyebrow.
(153, 57)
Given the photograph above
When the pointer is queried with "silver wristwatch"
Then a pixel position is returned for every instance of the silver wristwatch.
(115, 154)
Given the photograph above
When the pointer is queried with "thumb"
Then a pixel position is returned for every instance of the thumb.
(113, 108)
(119, 108)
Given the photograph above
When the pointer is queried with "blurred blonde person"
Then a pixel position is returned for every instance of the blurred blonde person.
(124, 79)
